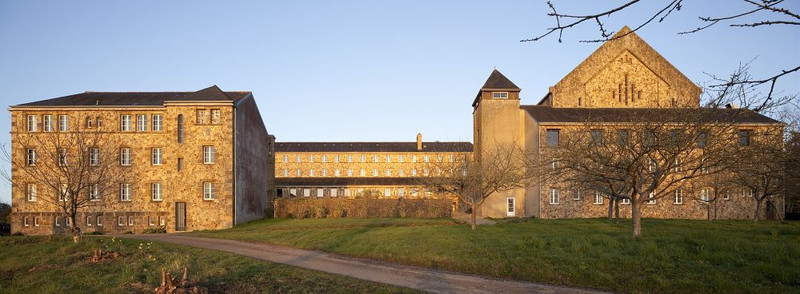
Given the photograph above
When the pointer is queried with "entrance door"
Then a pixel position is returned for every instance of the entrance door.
(770, 211)
(512, 207)
(180, 216)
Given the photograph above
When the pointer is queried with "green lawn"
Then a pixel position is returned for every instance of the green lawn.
(38, 265)
(673, 256)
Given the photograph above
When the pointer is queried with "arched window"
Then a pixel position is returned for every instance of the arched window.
(180, 128)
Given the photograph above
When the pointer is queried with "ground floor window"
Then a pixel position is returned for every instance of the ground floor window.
(511, 206)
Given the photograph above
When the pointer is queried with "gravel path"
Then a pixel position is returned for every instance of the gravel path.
(425, 279)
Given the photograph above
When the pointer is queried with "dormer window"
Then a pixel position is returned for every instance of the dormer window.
(500, 95)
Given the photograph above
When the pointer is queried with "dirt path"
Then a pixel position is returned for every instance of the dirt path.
(424, 279)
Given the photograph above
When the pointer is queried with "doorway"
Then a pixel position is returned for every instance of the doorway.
(180, 216)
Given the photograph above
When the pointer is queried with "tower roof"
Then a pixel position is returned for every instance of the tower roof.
(496, 81)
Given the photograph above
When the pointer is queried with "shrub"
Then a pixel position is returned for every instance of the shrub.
(362, 207)
(94, 233)
(156, 230)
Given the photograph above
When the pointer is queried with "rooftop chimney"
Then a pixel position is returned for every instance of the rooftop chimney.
(419, 141)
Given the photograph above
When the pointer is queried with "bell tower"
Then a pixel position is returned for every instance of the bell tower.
(496, 114)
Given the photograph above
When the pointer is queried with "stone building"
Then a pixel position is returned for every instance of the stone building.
(618, 82)
(352, 169)
(182, 160)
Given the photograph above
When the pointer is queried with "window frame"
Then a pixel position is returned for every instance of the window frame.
(125, 192)
(156, 191)
(156, 156)
(158, 123)
(141, 123)
(209, 191)
(551, 141)
(124, 122)
(554, 195)
(208, 154)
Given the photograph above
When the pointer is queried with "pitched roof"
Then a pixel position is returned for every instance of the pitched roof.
(372, 147)
(543, 113)
(344, 181)
(212, 93)
(496, 81)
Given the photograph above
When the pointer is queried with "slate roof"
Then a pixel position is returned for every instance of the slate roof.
(496, 81)
(343, 181)
(372, 147)
(212, 93)
(542, 113)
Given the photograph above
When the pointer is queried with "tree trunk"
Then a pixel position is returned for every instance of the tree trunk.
(76, 231)
(758, 208)
(616, 211)
(636, 218)
(708, 210)
(610, 208)
(474, 217)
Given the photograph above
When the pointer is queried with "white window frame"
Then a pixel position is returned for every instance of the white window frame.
(99, 220)
(209, 192)
(156, 156)
(726, 195)
(208, 154)
(94, 156)
(400, 158)
(511, 206)
(651, 199)
(30, 192)
(704, 194)
(285, 158)
(63, 123)
(56, 222)
(576, 194)
(35, 221)
(125, 122)
(598, 198)
(47, 122)
(320, 192)
(499, 95)
(25, 221)
(30, 156)
(285, 172)
(311, 158)
(130, 220)
(162, 221)
(88, 221)
(387, 192)
(94, 192)
(625, 201)
(554, 196)
(141, 122)
(33, 123)
(311, 172)
(121, 221)
(158, 122)
(151, 221)
(125, 156)
(125, 192)
(337, 172)
(156, 191)
(678, 196)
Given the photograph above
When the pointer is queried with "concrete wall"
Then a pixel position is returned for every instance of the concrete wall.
(254, 163)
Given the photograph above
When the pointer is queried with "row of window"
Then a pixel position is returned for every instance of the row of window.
(156, 192)
(362, 173)
(552, 139)
(363, 158)
(348, 192)
(156, 156)
(678, 196)
(96, 221)
(126, 122)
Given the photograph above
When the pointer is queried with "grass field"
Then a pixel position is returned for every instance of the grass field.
(39, 265)
(672, 256)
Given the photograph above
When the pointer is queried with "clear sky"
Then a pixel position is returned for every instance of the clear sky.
(345, 70)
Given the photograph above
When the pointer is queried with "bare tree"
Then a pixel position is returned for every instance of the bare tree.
(472, 180)
(67, 170)
(648, 155)
(793, 173)
(770, 12)
(760, 168)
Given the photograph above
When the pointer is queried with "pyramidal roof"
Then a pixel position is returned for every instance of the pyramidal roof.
(496, 81)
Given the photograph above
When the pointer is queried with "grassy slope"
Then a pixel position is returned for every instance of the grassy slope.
(36, 265)
(673, 255)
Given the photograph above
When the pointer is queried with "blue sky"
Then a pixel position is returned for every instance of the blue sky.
(344, 70)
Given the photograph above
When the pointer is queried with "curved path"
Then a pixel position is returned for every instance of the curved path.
(425, 279)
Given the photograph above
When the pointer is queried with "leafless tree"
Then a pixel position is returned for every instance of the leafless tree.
(649, 155)
(771, 12)
(472, 180)
(760, 168)
(67, 170)
(793, 173)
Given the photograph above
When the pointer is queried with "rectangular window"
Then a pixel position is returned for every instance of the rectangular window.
(215, 116)
(401, 173)
(625, 201)
(324, 158)
(25, 221)
(299, 172)
(704, 195)
(286, 158)
(652, 198)
(336, 158)
(500, 95)
(155, 192)
(32, 123)
(311, 172)
(31, 192)
(623, 137)
(387, 192)
(311, 158)
(388, 172)
(598, 197)
(401, 192)
(363, 173)
(62, 157)
(597, 137)
(125, 123)
(375, 172)
(130, 220)
(678, 196)
(552, 138)
(62, 193)
(702, 139)
(99, 220)
(141, 123)
(320, 192)
(553, 196)
(349, 158)
(47, 123)
(324, 172)
(363, 158)
(336, 172)
(306, 192)
(334, 192)
(120, 221)
(88, 221)
(202, 117)
(388, 158)
(35, 221)
(180, 163)
(30, 156)
(413, 172)
(511, 207)
(678, 165)
(413, 158)
(744, 137)
(576, 194)
(726, 195)
(208, 191)
(67, 222)
(89, 122)
(125, 192)
(158, 123)
(63, 123)
(156, 156)
(285, 172)
(94, 192)
(426, 158)
(374, 158)
(298, 159)
(57, 222)
(125, 156)
(151, 221)
(94, 156)
(208, 154)
(161, 221)
(349, 172)
(400, 158)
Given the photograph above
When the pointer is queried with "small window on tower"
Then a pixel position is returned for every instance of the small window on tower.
(500, 95)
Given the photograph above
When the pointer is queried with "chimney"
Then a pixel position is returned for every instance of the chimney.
(419, 141)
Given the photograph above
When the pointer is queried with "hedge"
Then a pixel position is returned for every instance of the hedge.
(362, 208)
